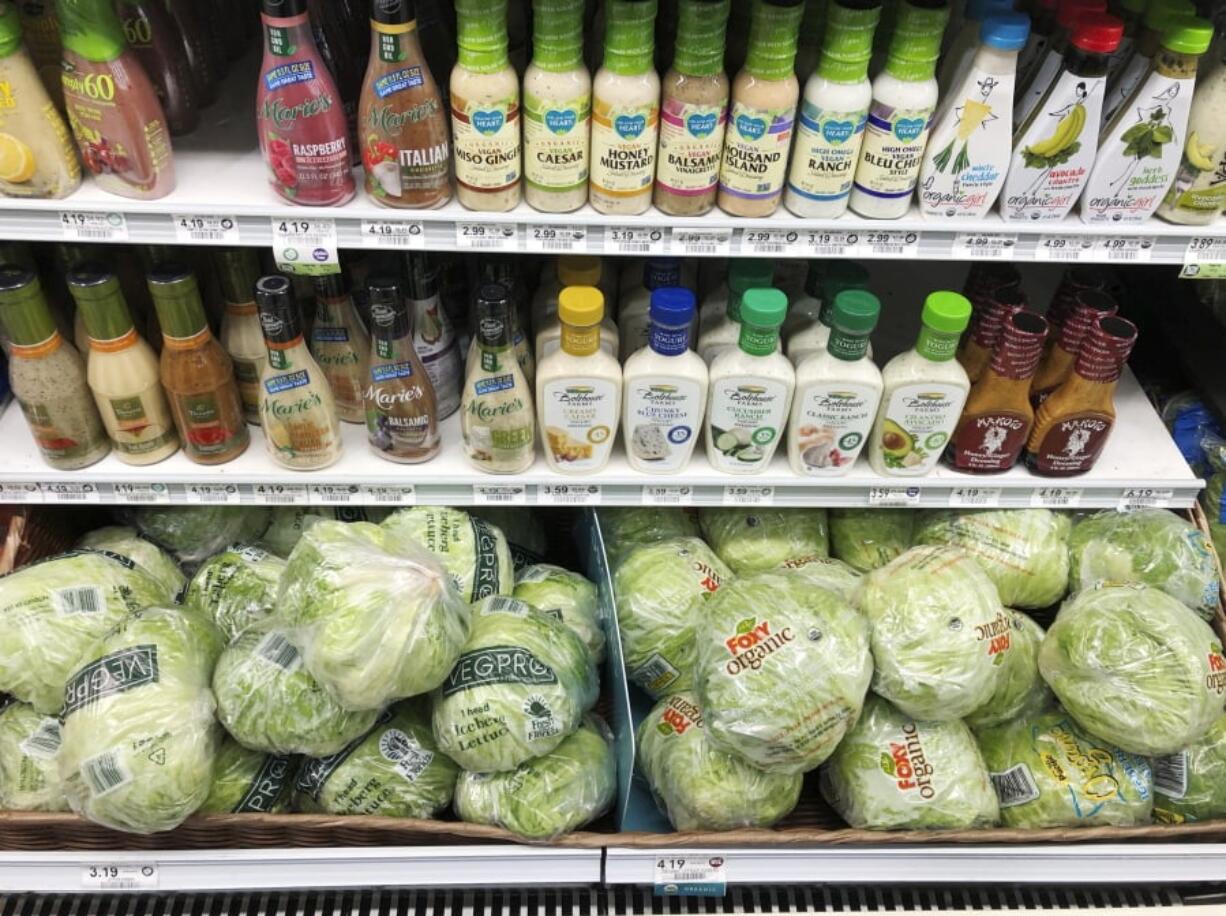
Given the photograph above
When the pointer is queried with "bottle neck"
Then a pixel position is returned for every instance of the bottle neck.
(481, 35)
(629, 41)
(493, 333)
(557, 35)
(580, 341)
(701, 29)
(289, 36)
(758, 341)
(772, 41)
(848, 45)
(936, 346)
(29, 322)
(847, 346)
(182, 319)
(733, 309)
(91, 29)
(389, 40)
(108, 321)
(282, 336)
(1175, 65)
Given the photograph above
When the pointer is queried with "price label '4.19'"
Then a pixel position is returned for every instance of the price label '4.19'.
(141, 493)
(1145, 498)
(1056, 498)
(404, 236)
(213, 494)
(71, 493)
(306, 246)
(975, 497)
(205, 229)
(691, 876)
(500, 496)
(84, 226)
(555, 239)
(281, 494)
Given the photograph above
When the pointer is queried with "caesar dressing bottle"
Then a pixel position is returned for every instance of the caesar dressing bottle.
(241, 337)
(839, 276)
(634, 318)
(341, 346)
(743, 274)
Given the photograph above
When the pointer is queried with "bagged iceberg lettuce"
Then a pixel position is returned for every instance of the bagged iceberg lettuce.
(521, 685)
(547, 796)
(472, 550)
(782, 670)
(658, 591)
(1214, 504)
(287, 523)
(1147, 547)
(236, 588)
(627, 529)
(867, 539)
(1190, 785)
(1020, 690)
(52, 611)
(1049, 772)
(831, 574)
(699, 786)
(29, 768)
(1136, 668)
(128, 542)
(139, 733)
(193, 533)
(751, 540)
(250, 782)
(395, 770)
(268, 700)
(1023, 551)
(938, 633)
(894, 773)
(568, 596)
(522, 528)
(375, 617)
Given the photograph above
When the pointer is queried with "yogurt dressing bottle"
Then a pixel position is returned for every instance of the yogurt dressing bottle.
(634, 318)
(665, 390)
(833, 115)
(969, 151)
(838, 390)
(840, 276)
(806, 306)
(743, 274)
(750, 390)
(925, 390)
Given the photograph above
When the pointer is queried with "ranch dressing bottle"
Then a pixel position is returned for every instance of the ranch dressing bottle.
(1141, 147)
(925, 389)
(750, 390)
(764, 96)
(833, 115)
(743, 274)
(904, 97)
(969, 151)
(840, 276)
(625, 111)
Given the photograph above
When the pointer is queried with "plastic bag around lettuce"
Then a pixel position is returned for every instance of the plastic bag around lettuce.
(375, 617)
(520, 687)
(547, 796)
(287, 523)
(828, 573)
(568, 596)
(867, 539)
(1147, 547)
(701, 787)
(193, 533)
(52, 611)
(658, 591)
(250, 782)
(1190, 785)
(782, 670)
(395, 770)
(472, 550)
(753, 540)
(1023, 551)
(236, 588)
(894, 773)
(29, 751)
(1213, 502)
(625, 530)
(1136, 668)
(522, 528)
(128, 542)
(1020, 690)
(139, 736)
(939, 633)
(1049, 772)
(268, 700)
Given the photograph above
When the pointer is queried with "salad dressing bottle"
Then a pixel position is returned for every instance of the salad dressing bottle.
(41, 31)
(634, 318)
(1197, 196)
(341, 346)
(160, 46)
(433, 338)
(1072, 324)
(989, 316)
(957, 57)
(743, 274)
(839, 276)
(1027, 95)
(241, 336)
(1159, 16)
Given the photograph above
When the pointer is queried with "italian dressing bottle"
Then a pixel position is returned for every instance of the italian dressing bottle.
(833, 115)
(665, 389)
(925, 390)
(969, 150)
(750, 389)
(1141, 148)
(904, 98)
(579, 389)
(838, 390)
(743, 274)
(238, 269)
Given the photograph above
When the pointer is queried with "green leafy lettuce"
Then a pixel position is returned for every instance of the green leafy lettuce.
(472, 550)
(236, 588)
(128, 542)
(288, 523)
(831, 574)
(29, 755)
(1019, 688)
(250, 782)
(1190, 785)
(867, 539)
(568, 596)
(751, 540)
(525, 535)
(626, 529)
(193, 533)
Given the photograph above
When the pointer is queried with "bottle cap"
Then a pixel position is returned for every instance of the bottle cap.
(579, 270)
(1160, 13)
(672, 306)
(91, 282)
(392, 12)
(98, 296)
(1005, 31)
(389, 319)
(748, 273)
(856, 311)
(763, 308)
(947, 312)
(284, 9)
(581, 306)
(701, 29)
(842, 275)
(494, 294)
(1098, 33)
(274, 297)
(1188, 35)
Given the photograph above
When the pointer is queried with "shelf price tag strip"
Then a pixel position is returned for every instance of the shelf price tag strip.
(103, 877)
(398, 234)
(1204, 259)
(305, 246)
(691, 876)
(742, 495)
(667, 495)
(87, 226)
(486, 236)
(980, 246)
(557, 239)
(205, 229)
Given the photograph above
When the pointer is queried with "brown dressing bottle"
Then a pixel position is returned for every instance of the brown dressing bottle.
(161, 48)
(991, 312)
(1087, 307)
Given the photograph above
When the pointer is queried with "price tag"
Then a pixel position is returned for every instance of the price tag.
(1063, 248)
(977, 246)
(891, 243)
(383, 233)
(83, 226)
(632, 239)
(692, 242)
(554, 239)
(1056, 498)
(334, 494)
(70, 493)
(975, 497)
(202, 229)
(213, 494)
(740, 495)
(136, 493)
(691, 876)
(20, 493)
(1204, 259)
(893, 497)
(281, 494)
(388, 496)
(119, 877)
(485, 236)
(768, 241)
(833, 244)
(1145, 498)
(500, 496)
(667, 495)
(305, 246)
(1137, 249)
(569, 494)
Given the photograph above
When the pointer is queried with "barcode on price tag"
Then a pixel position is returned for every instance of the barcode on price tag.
(632, 239)
(20, 493)
(742, 495)
(71, 492)
(384, 233)
(334, 494)
(832, 244)
(1132, 250)
(1063, 248)
(556, 238)
(119, 877)
(388, 496)
(213, 494)
(1056, 498)
(205, 229)
(486, 236)
(500, 496)
(1145, 498)
(667, 495)
(136, 493)
(889, 244)
(83, 226)
(768, 241)
(281, 494)
(975, 497)
(691, 876)
(305, 246)
(975, 246)
(569, 494)
(896, 497)
(1204, 258)
(702, 242)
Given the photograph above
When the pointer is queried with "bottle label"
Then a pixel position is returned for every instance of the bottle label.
(623, 148)
(756, 151)
(1124, 84)
(394, 168)
(1071, 445)
(486, 138)
(139, 424)
(1138, 159)
(827, 146)
(748, 414)
(580, 419)
(247, 374)
(436, 347)
(497, 422)
(894, 141)
(1199, 188)
(691, 141)
(918, 421)
(203, 425)
(832, 424)
(556, 142)
(55, 439)
(300, 71)
(1053, 157)
(662, 420)
(990, 441)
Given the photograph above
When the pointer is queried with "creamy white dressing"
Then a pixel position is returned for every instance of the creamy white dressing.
(634, 318)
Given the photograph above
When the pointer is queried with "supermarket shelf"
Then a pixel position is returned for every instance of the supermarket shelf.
(1140, 466)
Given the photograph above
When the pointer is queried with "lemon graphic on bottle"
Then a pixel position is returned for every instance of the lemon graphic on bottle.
(17, 163)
